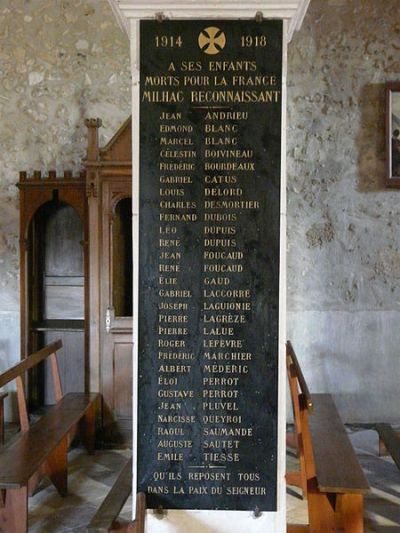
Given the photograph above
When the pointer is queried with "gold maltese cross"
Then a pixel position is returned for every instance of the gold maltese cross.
(212, 40)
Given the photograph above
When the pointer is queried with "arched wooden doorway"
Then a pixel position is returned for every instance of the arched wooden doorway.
(54, 279)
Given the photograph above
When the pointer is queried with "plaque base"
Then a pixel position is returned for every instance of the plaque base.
(177, 521)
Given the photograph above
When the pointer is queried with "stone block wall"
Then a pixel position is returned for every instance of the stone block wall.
(64, 60)
(343, 224)
(60, 62)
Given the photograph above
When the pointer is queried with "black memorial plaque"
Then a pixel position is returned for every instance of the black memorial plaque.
(210, 153)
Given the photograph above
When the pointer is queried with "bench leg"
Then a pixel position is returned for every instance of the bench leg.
(293, 477)
(352, 510)
(33, 483)
(137, 526)
(56, 467)
(72, 433)
(2, 421)
(122, 527)
(87, 427)
(14, 514)
(321, 512)
(296, 478)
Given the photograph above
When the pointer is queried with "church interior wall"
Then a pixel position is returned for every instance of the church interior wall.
(343, 224)
(60, 62)
(67, 60)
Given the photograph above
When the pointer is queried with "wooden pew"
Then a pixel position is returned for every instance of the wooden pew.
(298, 383)
(3, 396)
(41, 448)
(106, 518)
(330, 475)
(390, 440)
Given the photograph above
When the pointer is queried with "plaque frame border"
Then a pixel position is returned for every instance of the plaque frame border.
(266, 522)
(293, 11)
(391, 88)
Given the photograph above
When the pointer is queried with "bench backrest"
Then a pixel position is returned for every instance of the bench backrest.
(323, 452)
(302, 405)
(17, 373)
(28, 363)
(297, 382)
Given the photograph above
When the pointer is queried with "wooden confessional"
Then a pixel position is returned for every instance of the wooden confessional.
(109, 190)
(76, 278)
(53, 272)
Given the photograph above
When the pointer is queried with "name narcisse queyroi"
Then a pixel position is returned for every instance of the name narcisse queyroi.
(210, 152)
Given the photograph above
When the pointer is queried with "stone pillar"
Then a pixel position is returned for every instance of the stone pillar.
(129, 14)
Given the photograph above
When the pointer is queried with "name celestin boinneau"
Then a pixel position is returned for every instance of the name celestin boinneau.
(210, 122)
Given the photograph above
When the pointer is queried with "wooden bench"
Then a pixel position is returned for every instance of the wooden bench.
(330, 476)
(41, 448)
(106, 518)
(389, 442)
(3, 396)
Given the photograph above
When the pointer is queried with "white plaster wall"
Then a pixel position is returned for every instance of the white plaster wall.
(343, 224)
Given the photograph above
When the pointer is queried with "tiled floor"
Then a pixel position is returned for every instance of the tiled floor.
(89, 480)
(91, 477)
